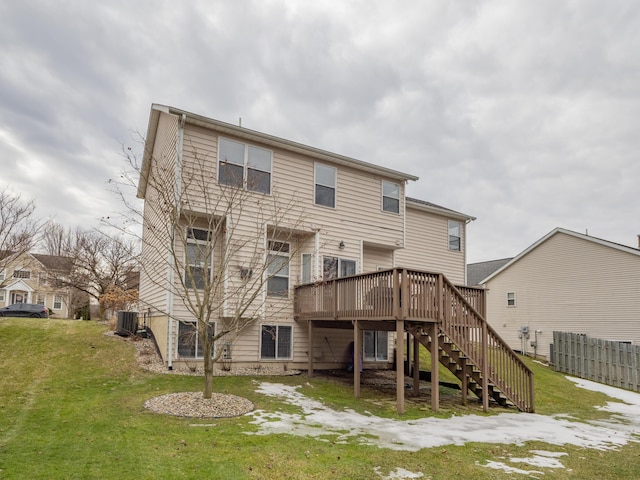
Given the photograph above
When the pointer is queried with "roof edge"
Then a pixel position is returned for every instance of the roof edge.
(274, 141)
(433, 208)
(600, 241)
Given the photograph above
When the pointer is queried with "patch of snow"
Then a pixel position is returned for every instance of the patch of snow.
(319, 421)
(508, 469)
(539, 461)
(400, 473)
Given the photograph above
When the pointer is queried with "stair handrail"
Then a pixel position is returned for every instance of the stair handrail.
(526, 404)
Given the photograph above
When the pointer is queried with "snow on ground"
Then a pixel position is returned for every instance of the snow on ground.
(323, 423)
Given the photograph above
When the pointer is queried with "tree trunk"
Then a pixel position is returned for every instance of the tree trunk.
(208, 373)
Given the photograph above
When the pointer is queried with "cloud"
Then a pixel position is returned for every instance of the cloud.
(521, 114)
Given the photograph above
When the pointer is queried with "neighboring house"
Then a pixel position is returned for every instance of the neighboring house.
(34, 278)
(476, 272)
(357, 219)
(566, 281)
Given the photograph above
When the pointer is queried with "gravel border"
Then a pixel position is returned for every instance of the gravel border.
(191, 404)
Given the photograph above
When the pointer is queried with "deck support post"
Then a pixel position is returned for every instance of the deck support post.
(485, 368)
(465, 382)
(416, 364)
(356, 359)
(310, 359)
(400, 366)
(435, 365)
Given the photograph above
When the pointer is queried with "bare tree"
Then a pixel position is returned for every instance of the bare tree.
(99, 261)
(220, 248)
(56, 239)
(18, 229)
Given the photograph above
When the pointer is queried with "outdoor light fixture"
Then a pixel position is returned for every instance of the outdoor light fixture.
(341, 245)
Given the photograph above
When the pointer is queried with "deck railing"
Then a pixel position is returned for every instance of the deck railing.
(404, 294)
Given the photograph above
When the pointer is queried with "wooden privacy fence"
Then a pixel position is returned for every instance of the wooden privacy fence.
(603, 361)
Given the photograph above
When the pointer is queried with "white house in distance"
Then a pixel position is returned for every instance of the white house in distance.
(570, 282)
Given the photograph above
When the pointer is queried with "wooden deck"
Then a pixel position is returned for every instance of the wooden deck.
(447, 320)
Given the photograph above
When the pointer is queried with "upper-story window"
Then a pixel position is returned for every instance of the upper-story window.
(3, 275)
(511, 299)
(199, 258)
(22, 274)
(455, 236)
(390, 197)
(325, 181)
(244, 166)
(278, 269)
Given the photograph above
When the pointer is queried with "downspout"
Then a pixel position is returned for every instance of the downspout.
(464, 253)
(317, 256)
(404, 219)
(265, 260)
(171, 261)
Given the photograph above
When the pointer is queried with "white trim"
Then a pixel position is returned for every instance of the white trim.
(245, 164)
(276, 358)
(335, 185)
(382, 196)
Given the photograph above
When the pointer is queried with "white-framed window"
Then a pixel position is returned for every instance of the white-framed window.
(511, 299)
(278, 269)
(189, 341)
(41, 299)
(26, 274)
(57, 302)
(390, 197)
(244, 166)
(335, 267)
(3, 275)
(455, 236)
(307, 265)
(325, 185)
(3, 295)
(276, 342)
(43, 278)
(376, 346)
(199, 258)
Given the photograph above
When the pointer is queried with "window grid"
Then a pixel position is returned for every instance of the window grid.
(390, 197)
(455, 236)
(325, 185)
(198, 258)
(276, 342)
(278, 269)
(244, 166)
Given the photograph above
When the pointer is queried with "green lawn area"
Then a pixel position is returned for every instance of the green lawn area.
(71, 407)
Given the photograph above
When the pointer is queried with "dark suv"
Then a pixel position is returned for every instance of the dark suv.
(25, 310)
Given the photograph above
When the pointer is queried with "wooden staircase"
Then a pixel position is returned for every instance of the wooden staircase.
(470, 349)
(423, 303)
(459, 364)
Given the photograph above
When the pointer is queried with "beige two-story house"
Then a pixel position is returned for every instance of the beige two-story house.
(350, 217)
(353, 266)
(34, 278)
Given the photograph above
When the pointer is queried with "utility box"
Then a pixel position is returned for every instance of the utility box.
(127, 323)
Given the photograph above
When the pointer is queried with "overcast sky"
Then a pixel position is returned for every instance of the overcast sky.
(524, 114)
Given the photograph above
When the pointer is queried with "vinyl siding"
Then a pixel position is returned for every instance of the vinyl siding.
(155, 235)
(371, 236)
(568, 284)
(427, 246)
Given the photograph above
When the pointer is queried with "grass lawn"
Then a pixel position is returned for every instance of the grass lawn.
(71, 407)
